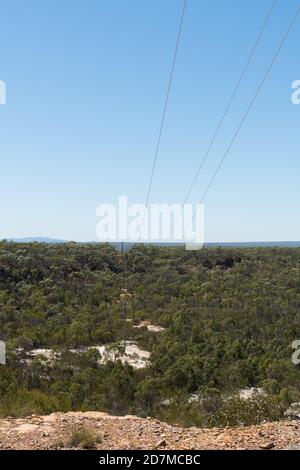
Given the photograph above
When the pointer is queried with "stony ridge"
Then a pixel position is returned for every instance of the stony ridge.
(131, 432)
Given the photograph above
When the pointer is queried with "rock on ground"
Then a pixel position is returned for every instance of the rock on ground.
(131, 432)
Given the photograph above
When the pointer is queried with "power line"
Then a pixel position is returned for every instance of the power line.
(235, 90)
(123, 297)
(262, 82)
(125, 290)
(166, 101)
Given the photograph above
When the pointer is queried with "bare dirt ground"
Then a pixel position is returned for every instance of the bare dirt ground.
(130, 432)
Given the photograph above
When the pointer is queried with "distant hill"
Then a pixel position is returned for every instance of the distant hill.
(254, 244)
(36, 239)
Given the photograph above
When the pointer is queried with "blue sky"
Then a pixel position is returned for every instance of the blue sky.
(85, 87)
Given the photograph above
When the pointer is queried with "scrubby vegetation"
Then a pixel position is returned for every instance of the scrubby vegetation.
(230, 316)
(84, 438)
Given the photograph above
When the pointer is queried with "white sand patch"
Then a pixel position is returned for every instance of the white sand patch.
(155, 328)
(47, 353)
(247, 393)
(149, 326)
(134, 356)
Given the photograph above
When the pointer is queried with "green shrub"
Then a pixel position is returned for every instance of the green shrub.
(182, 412)
(84, 438)
(25, 402)
(240, 412)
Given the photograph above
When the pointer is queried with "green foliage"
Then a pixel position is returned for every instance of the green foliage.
(214, 410)
(179, 410)
(84, 438)
(240, 412)
(230, 316)
(26, 402)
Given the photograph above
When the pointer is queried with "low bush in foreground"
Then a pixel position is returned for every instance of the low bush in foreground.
(84, 438)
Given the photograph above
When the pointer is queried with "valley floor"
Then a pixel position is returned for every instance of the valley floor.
(130, 432)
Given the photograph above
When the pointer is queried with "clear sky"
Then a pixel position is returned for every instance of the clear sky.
(85, 87)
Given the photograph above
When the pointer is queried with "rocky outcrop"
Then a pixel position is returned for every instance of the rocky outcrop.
(130, 432)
